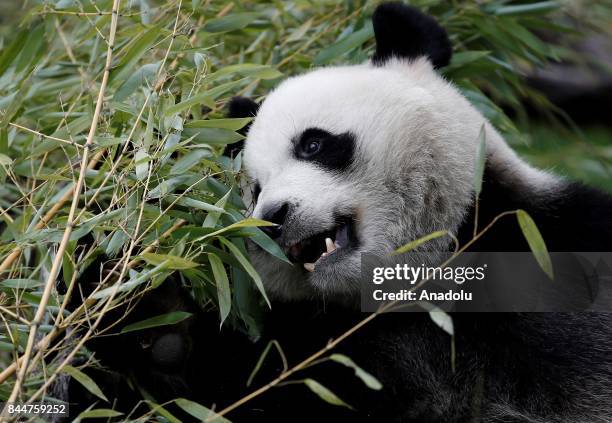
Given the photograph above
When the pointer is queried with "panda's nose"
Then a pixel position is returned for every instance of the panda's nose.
(275, 214)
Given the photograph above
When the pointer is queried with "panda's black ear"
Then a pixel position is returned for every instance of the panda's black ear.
(240, 107)
(403, 31)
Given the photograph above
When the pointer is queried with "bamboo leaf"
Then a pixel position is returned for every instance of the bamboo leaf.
(536, 242)
(324, 393)
(230, 22)
(223, 289)
(20, 283)
(481, 158)
(161, 320)
(137, 49)
(233, 124)
(413, 244)
(143, 76)
(87, 382)
(199, 411)
(142, 164)
(31, 47)
(443, 320)
(345, 45)
(369, 380)
(99, 413)
(247, 266)
(172, 262)
(265, 242)
(538, 7)
(189, 160)
(9, 53)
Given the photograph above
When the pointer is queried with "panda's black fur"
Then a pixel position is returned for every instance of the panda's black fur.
(539, 367)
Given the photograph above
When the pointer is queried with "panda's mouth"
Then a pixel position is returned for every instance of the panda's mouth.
(324, 246)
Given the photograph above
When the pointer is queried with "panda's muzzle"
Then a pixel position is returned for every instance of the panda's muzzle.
(326, 245)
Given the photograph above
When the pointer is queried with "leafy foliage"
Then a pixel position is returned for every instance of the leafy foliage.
(159, 198)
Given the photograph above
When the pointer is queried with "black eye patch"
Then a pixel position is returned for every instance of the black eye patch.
(333, 152)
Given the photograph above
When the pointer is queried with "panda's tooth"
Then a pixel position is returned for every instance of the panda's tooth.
(309, 266)
(329, 244)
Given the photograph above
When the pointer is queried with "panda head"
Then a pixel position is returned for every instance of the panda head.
(363, 159)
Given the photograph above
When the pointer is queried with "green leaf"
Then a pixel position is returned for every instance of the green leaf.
(161, 320)
(248, 267)
(172, 262)
(299, 33)
(87, 382)
(246, 223)
(161, 411)
(535, 241)
(253, 70)
(481, 158)
(233, 124)
(230, 22)
(145, 75)
(324, 393)
(413, 244)
(145, 12)
(464, 57)
(99, 413)
(265, 242)
(223, 288)
(531, 8)
(132, 283)
(64, 4)
(345, 45)
(20, 283)
(9, 53)
(189, 160)
(5, 161)
(213, 217)
(200, 205)
(134, 53)
(199, 411)
(213, 136)
(142, 164)
(369, 380)
(31, 47)
(205, 97)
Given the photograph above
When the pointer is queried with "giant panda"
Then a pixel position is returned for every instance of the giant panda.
(359, 159)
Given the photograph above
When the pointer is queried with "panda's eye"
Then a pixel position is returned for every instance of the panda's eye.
(322, 148)
(311, 143)
(312, 147)
(256, 191)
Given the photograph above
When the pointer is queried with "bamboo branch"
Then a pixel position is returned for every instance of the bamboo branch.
(49, 137)
(50, 282)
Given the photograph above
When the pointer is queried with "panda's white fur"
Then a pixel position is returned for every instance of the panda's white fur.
(417, 140)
